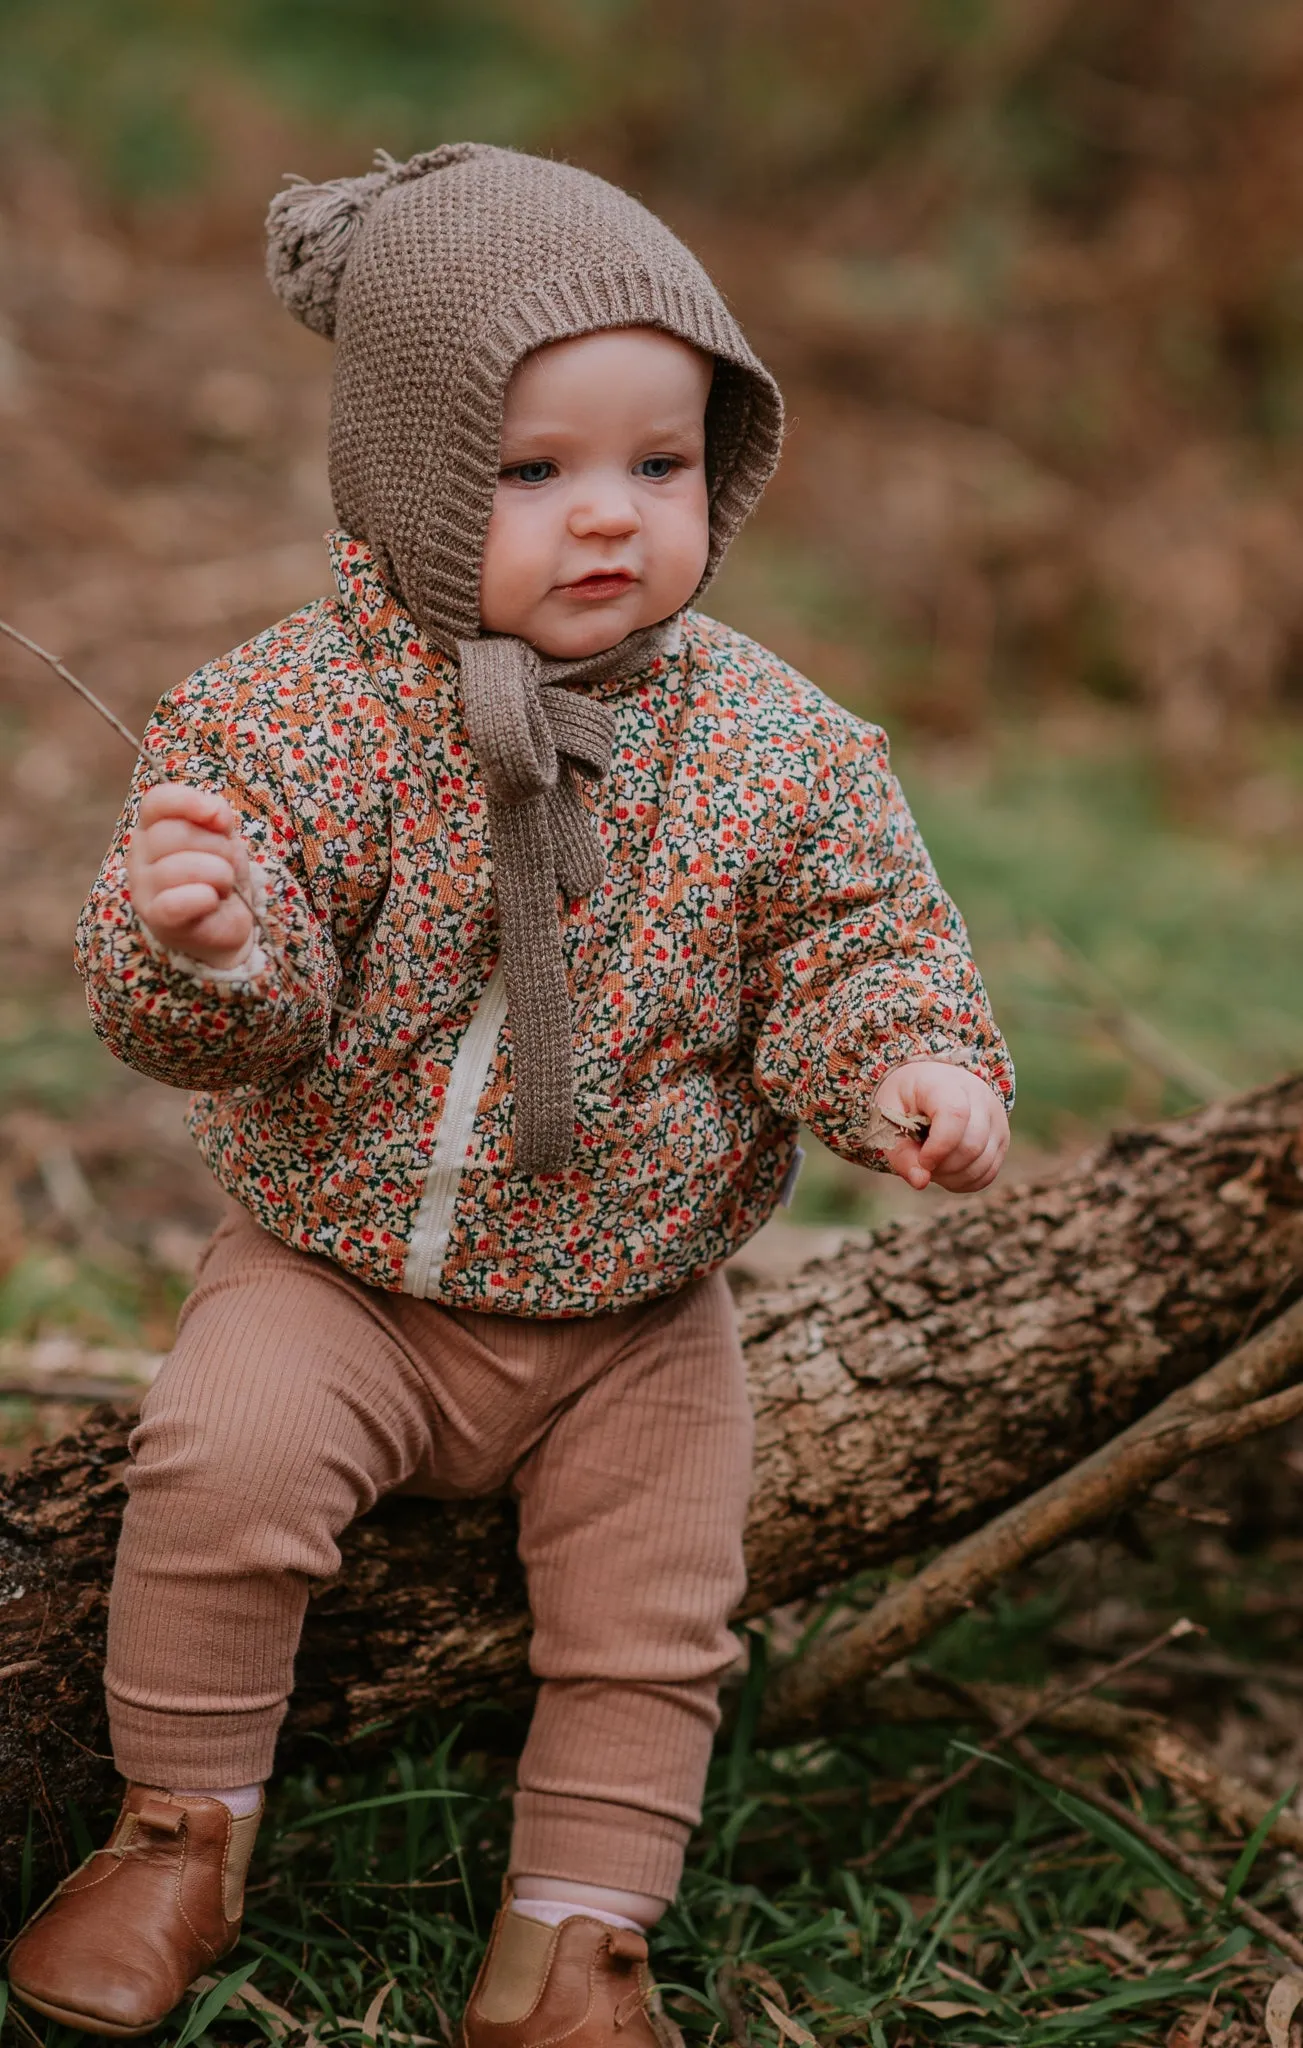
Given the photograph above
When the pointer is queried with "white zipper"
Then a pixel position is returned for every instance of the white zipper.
(470, 1070)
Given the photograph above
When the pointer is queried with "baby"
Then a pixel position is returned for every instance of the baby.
(507, 916)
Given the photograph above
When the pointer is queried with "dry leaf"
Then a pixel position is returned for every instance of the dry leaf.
(755, 1973)
(1282, 1999)
(942, 2008)
(1117, 1944)
(789, 2029)
(371, 2019)
(1162, 1910)
(1189, 2030)
(959, 1977)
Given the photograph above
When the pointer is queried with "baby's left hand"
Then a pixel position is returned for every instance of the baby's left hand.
(964, 1148)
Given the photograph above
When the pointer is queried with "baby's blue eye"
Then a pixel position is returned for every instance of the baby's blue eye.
(531, 472)
(656, 467)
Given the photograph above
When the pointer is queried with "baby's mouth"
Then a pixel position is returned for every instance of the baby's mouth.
(601, 583)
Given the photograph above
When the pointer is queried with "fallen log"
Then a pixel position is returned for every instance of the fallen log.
(905, 1394)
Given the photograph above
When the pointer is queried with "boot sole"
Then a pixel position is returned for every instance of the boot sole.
(85, 2022)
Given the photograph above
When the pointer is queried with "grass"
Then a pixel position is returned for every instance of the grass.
(1009, 1914)
(980, 1915)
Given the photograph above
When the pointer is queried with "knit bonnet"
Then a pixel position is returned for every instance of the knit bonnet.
(435, 278)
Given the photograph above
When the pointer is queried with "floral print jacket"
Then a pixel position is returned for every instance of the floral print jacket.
(770, 939)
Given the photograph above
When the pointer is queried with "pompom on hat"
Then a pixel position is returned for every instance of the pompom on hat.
(435, 278)
(311, 228)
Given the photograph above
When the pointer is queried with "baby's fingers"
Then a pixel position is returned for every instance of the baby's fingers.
(905, 1159)
(970, 1180)
(957, 1134)
(205, 807)
(175, 912)
(175, 870)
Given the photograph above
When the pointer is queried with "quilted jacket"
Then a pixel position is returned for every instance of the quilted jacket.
(770, 940)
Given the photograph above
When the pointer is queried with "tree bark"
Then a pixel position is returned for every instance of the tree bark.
(905, 1392)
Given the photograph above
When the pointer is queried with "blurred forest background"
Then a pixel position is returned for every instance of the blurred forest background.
(1031, 273)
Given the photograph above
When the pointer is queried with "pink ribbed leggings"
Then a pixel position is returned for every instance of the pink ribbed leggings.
(296, 1395)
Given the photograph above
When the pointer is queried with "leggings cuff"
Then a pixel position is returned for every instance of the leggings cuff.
(186, 1751)
(592, 1841)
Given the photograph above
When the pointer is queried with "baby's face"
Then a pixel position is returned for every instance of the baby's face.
(600, 522)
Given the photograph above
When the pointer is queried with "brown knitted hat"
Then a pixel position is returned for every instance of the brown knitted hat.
(435, 278)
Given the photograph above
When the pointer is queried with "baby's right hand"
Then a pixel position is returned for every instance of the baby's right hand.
(185, 862)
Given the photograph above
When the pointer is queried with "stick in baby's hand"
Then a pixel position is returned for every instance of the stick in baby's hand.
(137, 746)
(95, 703)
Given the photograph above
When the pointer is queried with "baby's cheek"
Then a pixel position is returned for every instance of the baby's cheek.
(511, 575)
(680, 546)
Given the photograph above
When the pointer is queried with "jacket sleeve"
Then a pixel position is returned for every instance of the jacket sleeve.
(864, 961)
(176, 1019)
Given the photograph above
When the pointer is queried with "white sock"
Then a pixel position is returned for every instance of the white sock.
(241, 1799)
(553, 1911)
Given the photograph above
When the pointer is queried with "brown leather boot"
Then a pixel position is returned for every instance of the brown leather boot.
(117, 1945)
(582, 1983)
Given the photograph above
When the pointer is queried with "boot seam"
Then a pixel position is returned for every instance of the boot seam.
(103, 1879)
(184, 1858)
(221, 1875)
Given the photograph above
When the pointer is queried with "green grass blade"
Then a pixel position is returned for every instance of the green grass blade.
(1248, 1855)
(77, 1828)
(296, 1970)
(210, 2004)
(1240, 1937)
(314, 1820)
(1101, 1825)
(748, 1712)
(1153, 1988)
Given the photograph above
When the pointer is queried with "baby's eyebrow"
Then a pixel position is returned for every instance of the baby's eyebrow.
(557, 434)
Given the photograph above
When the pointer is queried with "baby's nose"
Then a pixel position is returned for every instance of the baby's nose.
(610, 512)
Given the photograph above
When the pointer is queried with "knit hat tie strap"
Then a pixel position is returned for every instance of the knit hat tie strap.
(532, 740)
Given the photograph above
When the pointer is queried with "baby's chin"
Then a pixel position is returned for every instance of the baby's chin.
(593, 631)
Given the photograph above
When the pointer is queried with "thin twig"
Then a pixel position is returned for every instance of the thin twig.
(1213, 1665)
(76, 1392)
(322, 1914)
(14, 2011)
(282, 960)
(1036, 1711)
(1133, 1033)
(1143, 1736)
(95, 702)
(1199, 1873)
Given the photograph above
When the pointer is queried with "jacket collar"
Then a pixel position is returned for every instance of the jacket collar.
(387, 633)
